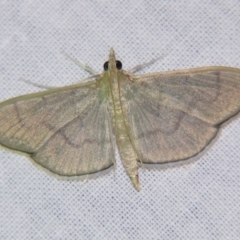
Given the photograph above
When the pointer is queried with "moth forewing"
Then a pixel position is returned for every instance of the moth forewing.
(176, 115)
(65, 130)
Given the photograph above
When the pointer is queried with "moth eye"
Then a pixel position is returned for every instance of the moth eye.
(118, 65)
(105, 66)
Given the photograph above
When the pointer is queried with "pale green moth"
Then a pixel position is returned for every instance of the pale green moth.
(155, 118)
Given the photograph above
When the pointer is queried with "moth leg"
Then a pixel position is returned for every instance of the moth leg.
(36, 84)
(141, 66)
(54, 87)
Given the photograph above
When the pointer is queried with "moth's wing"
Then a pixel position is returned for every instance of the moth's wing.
(66, 130)
(174, 115)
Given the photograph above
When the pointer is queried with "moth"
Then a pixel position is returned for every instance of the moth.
(152, 118)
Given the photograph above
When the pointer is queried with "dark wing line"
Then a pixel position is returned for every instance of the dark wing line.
(47, 125)
(207, 102)
(62, 134)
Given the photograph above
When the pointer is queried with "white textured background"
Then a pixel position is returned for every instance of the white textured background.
(196, 201)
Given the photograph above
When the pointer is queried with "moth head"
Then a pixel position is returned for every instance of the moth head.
(112, 63)
(118, 65)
